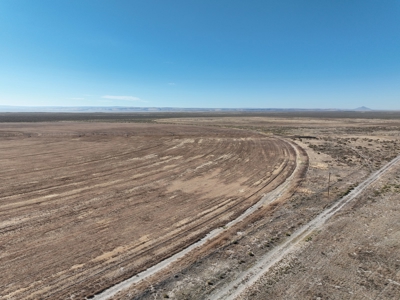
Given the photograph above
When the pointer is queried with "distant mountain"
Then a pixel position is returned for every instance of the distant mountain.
(363, 108)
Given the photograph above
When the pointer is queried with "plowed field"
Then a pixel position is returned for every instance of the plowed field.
(85, 205)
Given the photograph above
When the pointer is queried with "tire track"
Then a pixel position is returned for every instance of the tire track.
(187, 232)
(269, 198)
(62, 210)
(246, 279)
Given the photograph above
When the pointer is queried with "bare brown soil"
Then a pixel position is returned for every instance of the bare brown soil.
(86, 205)
(67, 231)
(347, 149)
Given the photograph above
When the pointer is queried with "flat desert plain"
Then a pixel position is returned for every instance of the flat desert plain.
(85, 205)
(88, 201)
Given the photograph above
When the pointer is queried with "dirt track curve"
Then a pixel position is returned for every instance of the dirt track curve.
(84, 206)
(236, 288)
(264, 201)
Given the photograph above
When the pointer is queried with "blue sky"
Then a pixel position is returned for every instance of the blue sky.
(238, 54)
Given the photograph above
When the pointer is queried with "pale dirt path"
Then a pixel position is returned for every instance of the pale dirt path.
(247, 278)
(265, 200)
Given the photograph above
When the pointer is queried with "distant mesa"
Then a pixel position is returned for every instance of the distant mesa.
(363, 108)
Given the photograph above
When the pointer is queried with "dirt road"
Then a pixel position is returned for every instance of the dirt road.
(246, 279)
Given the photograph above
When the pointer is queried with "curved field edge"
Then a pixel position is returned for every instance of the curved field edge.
(51, 194)
(135, 286)
(283, 178)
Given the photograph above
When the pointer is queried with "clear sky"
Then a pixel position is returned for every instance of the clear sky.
(203, 53)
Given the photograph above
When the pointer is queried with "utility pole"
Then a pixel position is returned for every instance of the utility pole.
(329, 181)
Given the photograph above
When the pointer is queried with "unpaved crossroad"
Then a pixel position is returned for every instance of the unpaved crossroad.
(246, 279)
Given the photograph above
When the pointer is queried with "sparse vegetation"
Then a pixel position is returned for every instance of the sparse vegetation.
(349, 151)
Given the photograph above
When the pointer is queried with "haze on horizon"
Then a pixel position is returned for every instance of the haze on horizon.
(211, 54)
